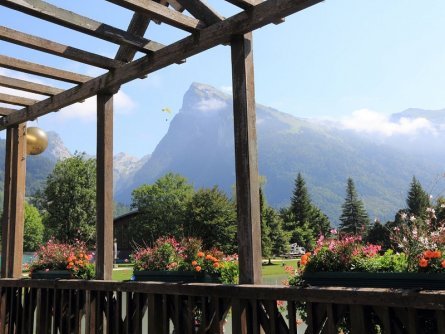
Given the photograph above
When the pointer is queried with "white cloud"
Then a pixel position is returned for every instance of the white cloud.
(86, 111)
(226, 89)
(372, 122)
(211, 105)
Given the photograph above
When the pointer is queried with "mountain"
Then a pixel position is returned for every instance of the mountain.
(124, 167)
(199, 145)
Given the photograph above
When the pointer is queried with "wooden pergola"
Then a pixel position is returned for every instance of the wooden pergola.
(207, 29)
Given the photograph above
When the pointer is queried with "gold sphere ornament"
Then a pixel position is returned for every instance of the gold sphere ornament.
(36, 141)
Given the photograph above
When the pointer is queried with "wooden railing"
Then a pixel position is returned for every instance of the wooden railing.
(75, 306)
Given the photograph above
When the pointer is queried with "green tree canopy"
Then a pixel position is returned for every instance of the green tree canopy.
(304, 220)
(69, 200)
(418, 199)
(354, 219)
(33, 229)
(211, 216)
(163, 206)
(274, 240)
(300, 202)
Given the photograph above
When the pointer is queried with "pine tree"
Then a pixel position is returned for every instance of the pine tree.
(354, 219)
(274, 240)
(301, 202)
(417, 200)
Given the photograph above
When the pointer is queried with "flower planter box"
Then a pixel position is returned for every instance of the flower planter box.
(175, 277)
(51, 274)
(427, 281)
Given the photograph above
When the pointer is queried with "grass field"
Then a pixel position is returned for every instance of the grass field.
(124, 273)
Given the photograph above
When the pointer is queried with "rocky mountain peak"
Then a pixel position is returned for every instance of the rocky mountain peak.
(204, 98)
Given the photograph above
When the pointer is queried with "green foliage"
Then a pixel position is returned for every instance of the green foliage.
(379, 234)
(388, 262)
(211, 216)
(33, 228)
(274, 240)
(73, 257)
(354, 219)
(167, 254)
(300, 202)
(304, 220)
(163, 206)
(418, 200)
(303, 235)
(69, 200)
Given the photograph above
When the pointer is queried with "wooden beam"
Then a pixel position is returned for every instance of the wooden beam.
(244, 4)
(6, 111)
(16, 100)
(201, 11)
(137, 27)
(65, 18)
(14, 201)
(246, 160)
(61, 50)
(241, 23)
(28, 86)
(176, 5)
(104, 223)
(42, 70)
(159, 12)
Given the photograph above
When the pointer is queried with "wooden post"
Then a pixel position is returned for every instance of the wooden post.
(247, 185)
(104, 223)
(14, 201)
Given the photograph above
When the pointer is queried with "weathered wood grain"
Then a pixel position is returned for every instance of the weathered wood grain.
(42, 70)
(246, 160)
(16, 100)
(104, 179)
(28, 86)
(51, 13)
(6, 111)
(159, 12)
(57, 49)
(14, 198)
(201, 11)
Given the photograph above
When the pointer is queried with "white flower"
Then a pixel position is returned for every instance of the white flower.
(412, 218)
(403, 215)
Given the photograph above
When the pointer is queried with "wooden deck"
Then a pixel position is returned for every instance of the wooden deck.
(76, 306)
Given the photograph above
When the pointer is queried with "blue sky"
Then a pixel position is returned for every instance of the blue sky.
(347, 60)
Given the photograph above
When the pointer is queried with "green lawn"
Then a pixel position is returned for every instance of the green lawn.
(276, 268)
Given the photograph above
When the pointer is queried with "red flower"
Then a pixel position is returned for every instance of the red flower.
(423, 262)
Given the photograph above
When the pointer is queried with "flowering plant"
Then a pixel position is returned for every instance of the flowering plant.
(168, 254)
(422, 240)
(62, 256)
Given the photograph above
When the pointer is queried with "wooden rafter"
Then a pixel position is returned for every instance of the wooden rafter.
(61, 50)
(201, 11)
(244, 4)
(159, 12)
(138, 25)
(51, 13)
(241, 23)
(176, 5)
(6, 111)
(16, 100)
(28, 86)
(42, 70)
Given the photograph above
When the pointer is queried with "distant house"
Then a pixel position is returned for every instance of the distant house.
(121, 225)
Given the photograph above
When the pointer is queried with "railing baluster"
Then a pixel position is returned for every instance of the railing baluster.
(440, 321)
(118, 313)
(358, 324)
(165, 315)
(292, 316)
